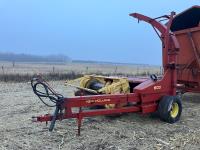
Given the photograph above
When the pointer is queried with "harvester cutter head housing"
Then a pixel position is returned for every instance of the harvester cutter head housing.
(118, 95)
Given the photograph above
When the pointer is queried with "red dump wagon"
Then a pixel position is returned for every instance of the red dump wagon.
(186, 27)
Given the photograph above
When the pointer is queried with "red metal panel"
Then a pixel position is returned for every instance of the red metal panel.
(149, 108)
(87, 101)
(90, 113)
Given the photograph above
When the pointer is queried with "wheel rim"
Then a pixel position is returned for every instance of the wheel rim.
(174, 110)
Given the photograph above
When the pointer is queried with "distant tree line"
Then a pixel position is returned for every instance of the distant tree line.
(33, 58)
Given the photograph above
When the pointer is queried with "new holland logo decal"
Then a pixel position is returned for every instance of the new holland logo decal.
(97, 101)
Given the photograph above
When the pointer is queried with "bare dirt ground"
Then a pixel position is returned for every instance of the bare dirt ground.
(128, 132)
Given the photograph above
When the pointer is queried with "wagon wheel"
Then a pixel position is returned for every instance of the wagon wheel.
(170, 108)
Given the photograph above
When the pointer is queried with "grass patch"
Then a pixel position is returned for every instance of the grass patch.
(46, 76)
(59, 76)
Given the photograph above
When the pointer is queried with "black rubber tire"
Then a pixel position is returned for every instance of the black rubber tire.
(165, 106)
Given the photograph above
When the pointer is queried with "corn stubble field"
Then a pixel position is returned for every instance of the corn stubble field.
(127, 132)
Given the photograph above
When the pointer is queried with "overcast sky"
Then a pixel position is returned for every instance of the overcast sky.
(99, 30)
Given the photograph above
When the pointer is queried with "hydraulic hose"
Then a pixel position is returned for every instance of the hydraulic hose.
(37, 84)
(48, 93)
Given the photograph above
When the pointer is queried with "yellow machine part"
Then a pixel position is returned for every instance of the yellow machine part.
(112, 86)
(117, 87)
(120, 86)
(85, 80)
